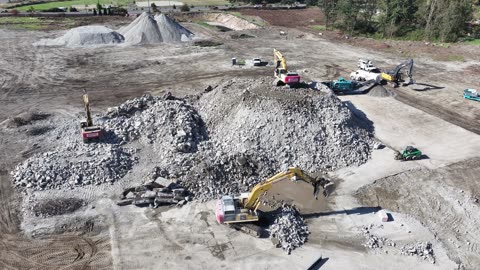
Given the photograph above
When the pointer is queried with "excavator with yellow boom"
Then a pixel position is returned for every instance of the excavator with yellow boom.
(89, 131)
(282, 75)
(394, 77)
(241, 212)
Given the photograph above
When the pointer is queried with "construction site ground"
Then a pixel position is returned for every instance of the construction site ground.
(434, 199)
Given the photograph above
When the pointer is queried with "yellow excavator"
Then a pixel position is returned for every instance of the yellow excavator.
(394, 77)
(240, 212)
(282, 75)
(89, 131)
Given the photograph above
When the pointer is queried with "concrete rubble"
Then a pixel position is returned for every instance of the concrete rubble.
(223, 141)
(421, 249)
(75, 165)
(154, 194)
(289, 229)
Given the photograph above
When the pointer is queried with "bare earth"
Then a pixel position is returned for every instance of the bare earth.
(434, 199)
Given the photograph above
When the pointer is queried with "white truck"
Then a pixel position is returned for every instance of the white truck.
(367, 66)
(363, 75)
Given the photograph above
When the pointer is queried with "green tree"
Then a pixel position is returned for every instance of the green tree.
(397, 17)
(184, 8)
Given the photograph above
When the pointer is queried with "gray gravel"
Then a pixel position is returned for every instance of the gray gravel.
(289, 229)
(221, 142)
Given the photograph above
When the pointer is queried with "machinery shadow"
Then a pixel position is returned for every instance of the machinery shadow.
(367, 123)
(426, 87)
(354, 211)
(423, 156)
(319, 263)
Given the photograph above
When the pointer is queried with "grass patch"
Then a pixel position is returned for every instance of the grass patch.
(33, 23)
(50, 5)
(473, 42)
(319, 27)
(206, 25)
(450, 58)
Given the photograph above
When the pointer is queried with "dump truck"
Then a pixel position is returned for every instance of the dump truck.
(242, 212)
(89, 131)
(409, 153)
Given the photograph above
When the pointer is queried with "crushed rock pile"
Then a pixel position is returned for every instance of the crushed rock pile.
(303, 128)
(171, 122)
(421, 249)
(75, 165)
(379, 91)
(143, 30)
(224, 141)
(289, 229)
(172, 31)
(85, 36)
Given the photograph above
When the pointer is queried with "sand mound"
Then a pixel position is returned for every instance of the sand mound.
(143, 30)
(172, 31)
(229, 21)
(84, 36)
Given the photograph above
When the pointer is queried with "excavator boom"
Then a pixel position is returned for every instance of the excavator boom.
(86, 103)
(89, 131)
(244, 209)
(394, 75)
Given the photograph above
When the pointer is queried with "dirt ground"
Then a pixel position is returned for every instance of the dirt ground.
(431, 115)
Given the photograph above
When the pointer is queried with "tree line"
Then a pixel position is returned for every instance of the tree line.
(443, 20)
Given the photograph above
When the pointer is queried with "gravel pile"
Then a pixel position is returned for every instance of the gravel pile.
(302, 128)
(170, 123)
(380, 91)
(223, 141)
(289, 229)
(172, 31)
(75, 165)
(92, 35)
(422, 249)
(143, 30)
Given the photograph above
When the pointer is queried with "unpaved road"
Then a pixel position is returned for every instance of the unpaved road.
(51, 79)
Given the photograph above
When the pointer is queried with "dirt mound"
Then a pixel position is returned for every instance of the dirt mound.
(143, 30)
(84, 36)
(172, 31)
(229, 21)
(379, 91)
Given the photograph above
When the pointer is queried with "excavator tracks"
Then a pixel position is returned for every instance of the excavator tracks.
(248, 228)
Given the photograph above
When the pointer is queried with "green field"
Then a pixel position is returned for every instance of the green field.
(50, 5)
(45, 6)
(32, 23)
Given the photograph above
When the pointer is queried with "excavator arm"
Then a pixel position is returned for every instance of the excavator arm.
(293, 174)
(86, 103)
(393, 75)
(280, 61)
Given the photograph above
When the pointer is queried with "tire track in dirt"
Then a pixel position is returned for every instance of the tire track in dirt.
(441, 112)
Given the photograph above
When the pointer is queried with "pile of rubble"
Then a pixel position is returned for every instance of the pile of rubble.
(154, 194)
(223, 141)
(168, 122)
(422, 249)
(75, 165)
(289, 229)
